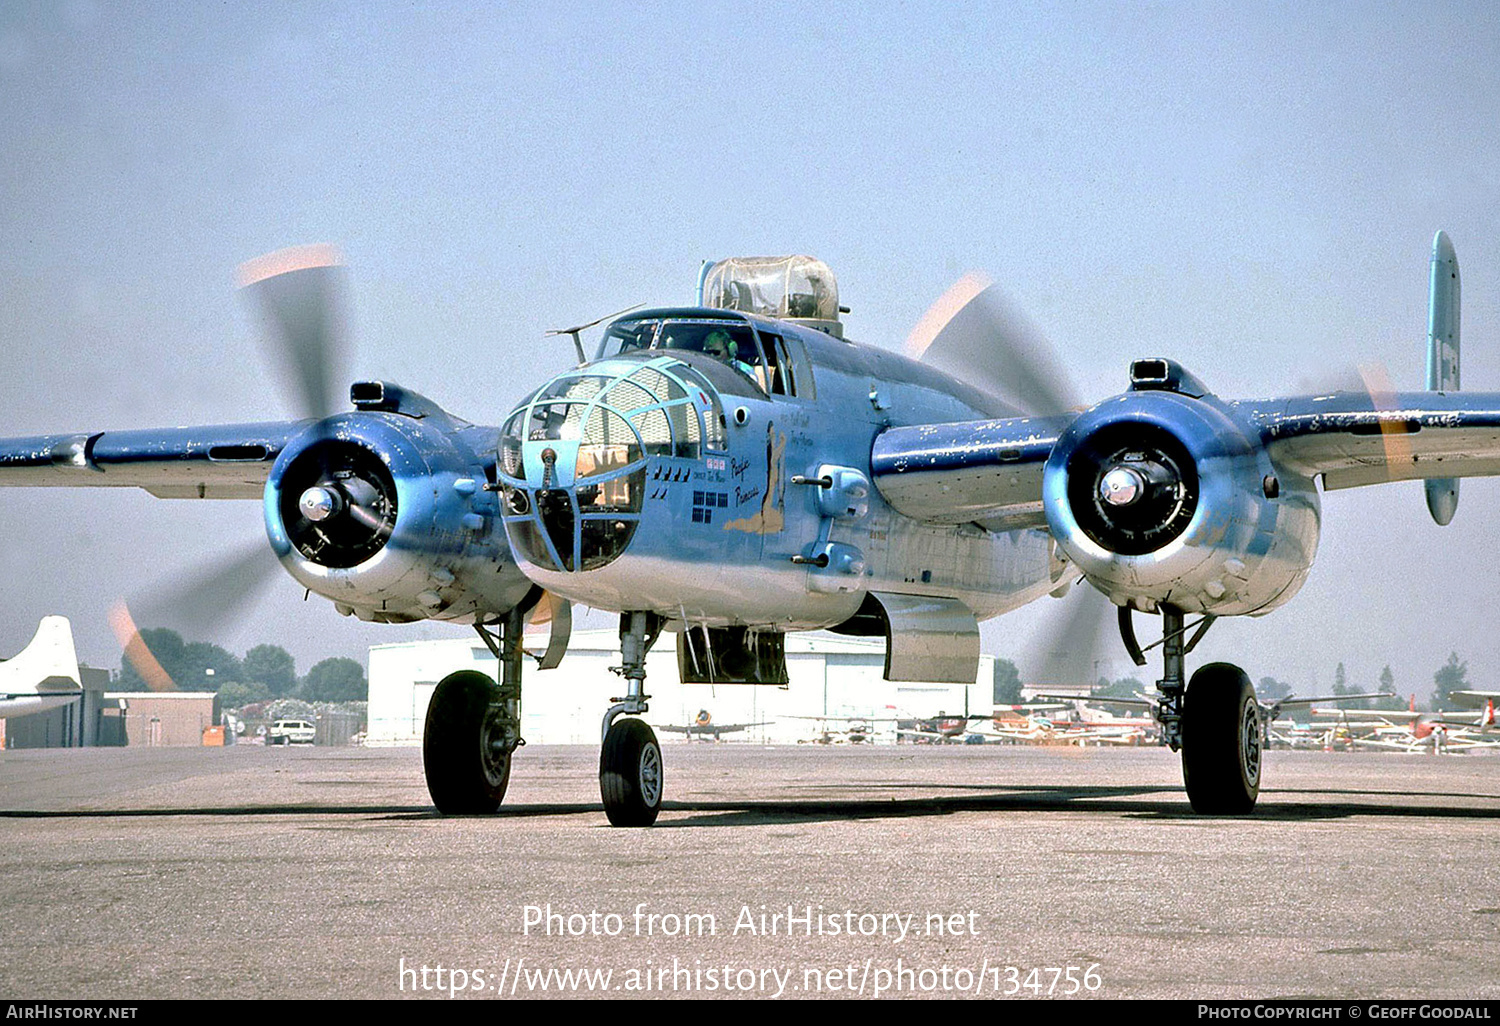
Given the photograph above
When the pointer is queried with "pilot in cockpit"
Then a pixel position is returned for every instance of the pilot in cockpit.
(721, 347)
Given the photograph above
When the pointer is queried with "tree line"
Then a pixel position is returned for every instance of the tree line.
(264, 673)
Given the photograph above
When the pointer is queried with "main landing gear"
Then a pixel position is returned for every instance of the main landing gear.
(1213, 720)
(474, 728)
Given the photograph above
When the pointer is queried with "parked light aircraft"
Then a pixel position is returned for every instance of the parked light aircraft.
(1438, 738)
(736, 469)
(703, 726)
(955, 729)
(1105, 725)
(1037, 729)
(1268, 712)
(1413, 731)
(850, 730)
(939, 729)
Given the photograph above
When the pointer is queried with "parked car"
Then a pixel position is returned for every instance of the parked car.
(291, 732)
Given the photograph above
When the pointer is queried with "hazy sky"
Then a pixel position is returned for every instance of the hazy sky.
(1249, 188)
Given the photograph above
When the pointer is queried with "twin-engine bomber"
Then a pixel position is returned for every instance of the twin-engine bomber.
(737, 469)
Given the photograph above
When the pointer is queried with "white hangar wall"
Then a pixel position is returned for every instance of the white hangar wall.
(831, 676)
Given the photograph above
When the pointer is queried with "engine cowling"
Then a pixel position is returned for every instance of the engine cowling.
(385, 513)
(1162, 495)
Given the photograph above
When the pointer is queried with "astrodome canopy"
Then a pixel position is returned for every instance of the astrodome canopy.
(787, 287)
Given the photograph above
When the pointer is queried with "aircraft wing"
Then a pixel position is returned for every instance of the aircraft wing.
(1474, 699)
(221, 462)
(709, 728)
(987, 472)
(1352, 439)
(1143, 703)
(990, 472)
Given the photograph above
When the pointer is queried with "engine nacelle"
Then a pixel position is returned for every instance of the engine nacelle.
(1162, 495)
(384, 511)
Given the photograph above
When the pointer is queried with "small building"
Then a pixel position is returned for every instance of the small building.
(156, 719)
(834, 681)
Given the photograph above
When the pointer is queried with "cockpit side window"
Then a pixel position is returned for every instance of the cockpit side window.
(713, 417)
(798, 369)
(782, 375)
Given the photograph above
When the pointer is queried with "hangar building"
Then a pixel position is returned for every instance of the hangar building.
(831, 676)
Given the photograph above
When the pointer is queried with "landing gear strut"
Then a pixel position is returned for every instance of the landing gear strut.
(630, 766)
(474, 727)
(1212, 719)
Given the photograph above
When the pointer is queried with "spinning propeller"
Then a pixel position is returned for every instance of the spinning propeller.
(974, 333)
(338, 498)
(300, 294)
(1131, 490)
(336, 490)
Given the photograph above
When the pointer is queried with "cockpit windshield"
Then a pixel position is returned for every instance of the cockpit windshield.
(731, 343)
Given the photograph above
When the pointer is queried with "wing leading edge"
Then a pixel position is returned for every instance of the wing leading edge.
(987, 472)
(1349, 440)
(223, 462)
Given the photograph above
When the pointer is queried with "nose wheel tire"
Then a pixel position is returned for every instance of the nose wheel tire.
(630, 773)
(466, 762)
(1221, 741)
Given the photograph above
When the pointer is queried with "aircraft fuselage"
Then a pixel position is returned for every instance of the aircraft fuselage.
(667, 478)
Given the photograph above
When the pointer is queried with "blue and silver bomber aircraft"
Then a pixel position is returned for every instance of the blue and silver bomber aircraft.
(737, 469)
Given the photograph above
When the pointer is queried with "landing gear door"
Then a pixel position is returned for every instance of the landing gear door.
(929, 639)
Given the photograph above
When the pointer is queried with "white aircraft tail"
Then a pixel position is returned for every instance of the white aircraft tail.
(48, 665)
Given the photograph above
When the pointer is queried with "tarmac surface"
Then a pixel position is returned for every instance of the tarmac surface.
(794, 872)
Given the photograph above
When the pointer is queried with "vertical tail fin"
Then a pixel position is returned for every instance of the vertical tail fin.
(1442, 357)
(48, 665)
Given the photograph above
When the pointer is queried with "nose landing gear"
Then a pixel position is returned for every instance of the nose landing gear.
(630, 767)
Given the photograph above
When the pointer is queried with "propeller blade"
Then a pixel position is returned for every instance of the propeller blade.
(973, 333)
(200, 605)
(136, 650)
(1067, 647)
(1377, 382)
(299, 292)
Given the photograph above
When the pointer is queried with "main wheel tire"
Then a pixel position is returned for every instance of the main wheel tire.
(465, 774)
(630, 773)
(1221, 741)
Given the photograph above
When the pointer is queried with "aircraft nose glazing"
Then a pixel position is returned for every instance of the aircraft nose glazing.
(573, 459)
